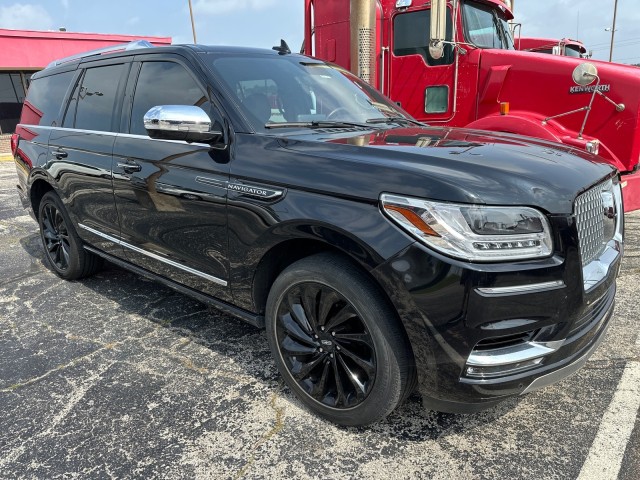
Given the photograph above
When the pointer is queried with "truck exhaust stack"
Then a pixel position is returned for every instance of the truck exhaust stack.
(363, 39)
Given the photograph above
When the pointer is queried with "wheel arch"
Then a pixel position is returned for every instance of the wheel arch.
(311, 239)
(38, 188)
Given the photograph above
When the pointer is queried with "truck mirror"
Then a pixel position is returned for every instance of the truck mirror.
(556, 50)
(585, 74)
(438, 28)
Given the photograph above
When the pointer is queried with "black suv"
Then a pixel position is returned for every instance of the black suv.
(379, 253)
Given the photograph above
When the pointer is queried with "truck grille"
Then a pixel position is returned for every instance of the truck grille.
(595, 212)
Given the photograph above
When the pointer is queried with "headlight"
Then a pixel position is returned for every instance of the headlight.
(472, 232)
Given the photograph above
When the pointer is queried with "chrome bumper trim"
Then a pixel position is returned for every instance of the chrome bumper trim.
(521, 289)
(598, 270)
(564, 372)
(511, 355)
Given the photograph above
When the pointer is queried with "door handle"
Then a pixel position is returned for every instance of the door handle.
(130, 167)
(60, 154)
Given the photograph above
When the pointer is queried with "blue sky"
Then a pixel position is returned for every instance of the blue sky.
(263, 22)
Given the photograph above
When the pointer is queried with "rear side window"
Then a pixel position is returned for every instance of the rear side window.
(163, 83)
(44, 99)
(93, 104)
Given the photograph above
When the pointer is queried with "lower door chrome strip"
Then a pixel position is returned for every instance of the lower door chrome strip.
(118, 241)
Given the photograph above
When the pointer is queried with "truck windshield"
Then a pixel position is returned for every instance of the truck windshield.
(290, 90)
(573, 51)
(486, 27)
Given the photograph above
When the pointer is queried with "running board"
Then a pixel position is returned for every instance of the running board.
(251, 318)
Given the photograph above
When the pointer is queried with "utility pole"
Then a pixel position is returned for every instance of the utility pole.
(613, 29)
(193, 25)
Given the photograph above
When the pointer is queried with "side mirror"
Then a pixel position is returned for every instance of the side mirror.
(585, 74)
(438, 28)
(556, 50)
(180, 122)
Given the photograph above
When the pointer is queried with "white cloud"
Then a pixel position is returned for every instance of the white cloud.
(25, 16)
(217, 7)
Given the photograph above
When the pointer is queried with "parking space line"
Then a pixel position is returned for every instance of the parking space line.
(607, 451)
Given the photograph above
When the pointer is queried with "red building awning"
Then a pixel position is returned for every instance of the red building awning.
(34, 50)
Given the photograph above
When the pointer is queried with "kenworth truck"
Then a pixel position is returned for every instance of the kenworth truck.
(565, 46)
(453, 63)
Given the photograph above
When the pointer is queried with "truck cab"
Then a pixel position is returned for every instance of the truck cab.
(478, 79)
(566, 46)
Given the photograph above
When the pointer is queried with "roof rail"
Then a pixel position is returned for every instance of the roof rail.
(135, 45)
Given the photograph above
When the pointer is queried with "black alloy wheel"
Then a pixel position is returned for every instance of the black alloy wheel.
(62, 246)
(55, 236)
(337, 341)
(325, 345)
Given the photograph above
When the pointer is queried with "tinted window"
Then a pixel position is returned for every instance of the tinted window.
(44, 99)
(163, 83)
(94, 100)
(11, 98)
(411, 36)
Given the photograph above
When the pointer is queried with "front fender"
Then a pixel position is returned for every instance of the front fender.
(519, 124)
(531, 125)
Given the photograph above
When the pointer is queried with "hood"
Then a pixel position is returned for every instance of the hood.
(536, 83)
(456, 165)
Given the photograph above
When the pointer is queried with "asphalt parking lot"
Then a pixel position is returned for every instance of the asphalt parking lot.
(115, 376)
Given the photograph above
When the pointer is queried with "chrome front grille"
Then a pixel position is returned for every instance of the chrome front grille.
(596, 218)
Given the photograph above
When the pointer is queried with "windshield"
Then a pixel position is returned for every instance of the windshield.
(486, 28)
(278, 90)
(573, 51)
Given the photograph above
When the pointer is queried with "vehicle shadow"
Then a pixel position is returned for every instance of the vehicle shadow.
(246, 346)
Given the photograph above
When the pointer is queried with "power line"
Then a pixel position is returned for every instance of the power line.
(617, 45)
(623, 40)
(628, 58)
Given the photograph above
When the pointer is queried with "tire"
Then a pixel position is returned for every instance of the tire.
(336, 341)
(62, 246)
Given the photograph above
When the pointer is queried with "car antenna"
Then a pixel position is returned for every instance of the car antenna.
(283, 49)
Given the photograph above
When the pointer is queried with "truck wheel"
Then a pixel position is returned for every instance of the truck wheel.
(62, 246)
(337, 344)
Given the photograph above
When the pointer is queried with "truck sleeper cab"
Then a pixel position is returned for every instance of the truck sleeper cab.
(380, 254)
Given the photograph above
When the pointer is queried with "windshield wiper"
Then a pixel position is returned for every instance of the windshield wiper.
(316, 124)
(396, 120)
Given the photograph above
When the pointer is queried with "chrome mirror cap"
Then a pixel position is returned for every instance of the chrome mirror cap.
(177, 118)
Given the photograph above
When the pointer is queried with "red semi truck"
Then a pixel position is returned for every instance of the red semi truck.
(453, 63)
(566, 46)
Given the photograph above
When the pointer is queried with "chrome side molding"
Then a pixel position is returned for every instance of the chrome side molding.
(124, 244)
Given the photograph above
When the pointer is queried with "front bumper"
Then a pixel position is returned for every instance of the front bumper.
(455, 312)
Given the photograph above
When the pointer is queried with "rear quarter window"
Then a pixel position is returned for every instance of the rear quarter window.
(44, 99)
